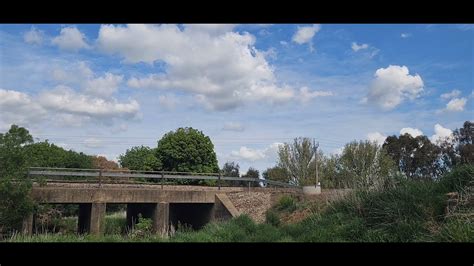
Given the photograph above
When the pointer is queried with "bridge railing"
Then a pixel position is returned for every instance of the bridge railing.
(105, 175)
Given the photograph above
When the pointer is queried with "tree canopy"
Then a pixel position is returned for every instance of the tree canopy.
(140, 158)
(187, 150)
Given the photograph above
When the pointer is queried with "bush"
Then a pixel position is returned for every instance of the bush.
(15, 204)
(286, 203)
(458, 179)
(272, 218)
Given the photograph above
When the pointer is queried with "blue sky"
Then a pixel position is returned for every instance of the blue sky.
(102, 89)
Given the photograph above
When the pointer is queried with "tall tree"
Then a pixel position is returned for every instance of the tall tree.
(187, 150)
(251, 173)
(15, 202)
(460, 148)
(297, 159)
(417, 158)
(364, 164)
(140, 158)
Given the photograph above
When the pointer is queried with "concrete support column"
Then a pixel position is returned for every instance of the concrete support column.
(27, 226)
(97, 219)
(91, 218)
(161, 218)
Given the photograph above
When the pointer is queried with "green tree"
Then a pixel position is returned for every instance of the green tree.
(15, 202)
(298, 160)
(364, 164)
(187, 150)
(231, 169)
(417, 158)
(459, 149)
(276, 173)
(140, 158)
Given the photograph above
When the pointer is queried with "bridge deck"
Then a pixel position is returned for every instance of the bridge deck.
(133, 193)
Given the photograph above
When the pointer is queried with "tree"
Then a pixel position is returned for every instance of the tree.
(364, 164)
(417, 158)
(231, 169)
(276, 173)
(100, 162)
(459, 149)
(251, 173)
(13, 159)
(187, 150)
(15, 202)
(298, 160)
(140, 158)
(45, 154)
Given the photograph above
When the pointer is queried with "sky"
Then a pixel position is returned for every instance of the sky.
(102, 89)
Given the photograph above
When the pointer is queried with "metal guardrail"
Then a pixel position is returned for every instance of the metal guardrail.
(160, 175)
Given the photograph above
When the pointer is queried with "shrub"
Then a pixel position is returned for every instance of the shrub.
(271, 217)
(286, 203)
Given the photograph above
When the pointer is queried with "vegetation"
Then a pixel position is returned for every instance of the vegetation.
(140, 158)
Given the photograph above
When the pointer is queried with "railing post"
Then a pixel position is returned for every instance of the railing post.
(100, 177)
(162, 179)
(219, 181)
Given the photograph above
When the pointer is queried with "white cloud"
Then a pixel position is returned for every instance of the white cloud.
(377, 137)
(252, 155)
(19, 108)
(283, 43)
(405, 35)
(306, 95)
(63, 99)
(305, 34)
(450, 95)
(392, 85)
(103, 86)
(221, 71)
(414, 132)
(168, 101)
(456, 105)
(70, 39)
(441, 134)
(33, 36)
(93, 143)
(355, 47)
(233, 126)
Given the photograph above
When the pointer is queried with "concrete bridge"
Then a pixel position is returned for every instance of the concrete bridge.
(166, 205)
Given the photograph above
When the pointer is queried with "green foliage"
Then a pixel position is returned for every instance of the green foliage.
(298, 161)
(272, 217)
(45, 154)
(458, 179)
(15, 204)
(231, 169)
(417, 158)
(276, 173)
(115, 224)
(286, 203)
(187, 150)
(365, 165)
(140, 158)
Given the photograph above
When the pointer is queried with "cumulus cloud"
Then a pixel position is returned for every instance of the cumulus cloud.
(456, 105)
(450, 95)
(103, 86)
(252, 155)
(70, 39)
(414, 132)
(233, 126)
(19, 108)
(222, 71)
(305, 34)
(377, 137)
(65, 100)
(33, 36)
(441, 134)
(392, 85)
(356, 47)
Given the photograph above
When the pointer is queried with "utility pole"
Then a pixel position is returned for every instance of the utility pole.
(315, 147)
